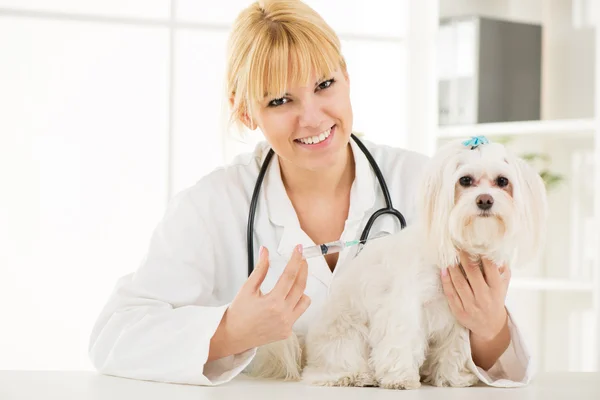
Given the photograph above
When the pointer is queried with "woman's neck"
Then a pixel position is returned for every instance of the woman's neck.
(336, 180)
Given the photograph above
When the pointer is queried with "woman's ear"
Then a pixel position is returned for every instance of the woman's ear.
(243, 115)
(248, 121)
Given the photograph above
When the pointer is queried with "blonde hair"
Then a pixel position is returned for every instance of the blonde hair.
(274, 43)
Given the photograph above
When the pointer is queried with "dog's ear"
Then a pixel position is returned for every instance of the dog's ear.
(434, 203)
(530, 199)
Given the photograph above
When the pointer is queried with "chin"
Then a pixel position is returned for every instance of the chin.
(386, 321)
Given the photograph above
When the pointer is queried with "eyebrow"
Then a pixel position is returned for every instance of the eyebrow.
(266, 95)
(287, 94)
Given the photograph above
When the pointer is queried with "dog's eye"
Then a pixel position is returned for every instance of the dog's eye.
(502, 181)
(465, 181)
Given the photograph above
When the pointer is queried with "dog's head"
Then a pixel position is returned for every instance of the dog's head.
(482, 199)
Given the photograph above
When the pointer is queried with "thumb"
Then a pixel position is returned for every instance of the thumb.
(261, 268)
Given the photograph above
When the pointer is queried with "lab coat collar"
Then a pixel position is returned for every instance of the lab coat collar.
(362, 193)
(281, 211)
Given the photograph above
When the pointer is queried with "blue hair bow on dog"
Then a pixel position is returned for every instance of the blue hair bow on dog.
(476, 141)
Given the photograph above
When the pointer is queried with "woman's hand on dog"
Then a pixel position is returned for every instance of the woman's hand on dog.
(477, 296)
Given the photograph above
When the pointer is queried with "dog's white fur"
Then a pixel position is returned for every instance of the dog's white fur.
(387, 322)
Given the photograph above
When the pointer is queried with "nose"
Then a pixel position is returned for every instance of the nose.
(311, 115)
(484, 201)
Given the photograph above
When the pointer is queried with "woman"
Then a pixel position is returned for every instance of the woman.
(190, 314)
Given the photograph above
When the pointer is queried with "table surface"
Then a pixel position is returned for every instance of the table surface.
(85, 385)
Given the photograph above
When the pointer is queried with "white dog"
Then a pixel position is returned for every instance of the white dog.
(387, 322)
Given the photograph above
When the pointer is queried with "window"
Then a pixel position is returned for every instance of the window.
(84, 116)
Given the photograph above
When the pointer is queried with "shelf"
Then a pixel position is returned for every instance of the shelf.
(564, 285)
(525, 128)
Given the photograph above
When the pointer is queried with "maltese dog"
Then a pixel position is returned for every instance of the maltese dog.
(387, 321)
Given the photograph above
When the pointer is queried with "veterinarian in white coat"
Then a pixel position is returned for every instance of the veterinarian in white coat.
(190, 314)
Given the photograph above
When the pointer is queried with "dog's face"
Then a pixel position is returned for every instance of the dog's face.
(483, 200)
(484, 210)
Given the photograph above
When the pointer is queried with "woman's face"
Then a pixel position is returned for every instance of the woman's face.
(309, 126)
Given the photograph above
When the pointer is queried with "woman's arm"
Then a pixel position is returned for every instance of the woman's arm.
(487, 351)
(156, 325)
(159, 321)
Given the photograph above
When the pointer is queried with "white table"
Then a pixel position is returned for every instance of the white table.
(85, 385)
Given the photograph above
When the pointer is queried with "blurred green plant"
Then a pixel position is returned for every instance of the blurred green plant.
(541, 162)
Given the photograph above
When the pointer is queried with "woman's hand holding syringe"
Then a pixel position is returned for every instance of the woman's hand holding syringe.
(254, 318)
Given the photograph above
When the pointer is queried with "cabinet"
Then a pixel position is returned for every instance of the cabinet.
(489, 70)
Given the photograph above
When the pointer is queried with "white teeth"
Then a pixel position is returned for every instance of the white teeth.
(316, 139)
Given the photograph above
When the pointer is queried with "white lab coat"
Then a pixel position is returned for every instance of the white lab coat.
(158, 322)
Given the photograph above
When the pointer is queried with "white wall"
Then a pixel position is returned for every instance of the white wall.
(82, 165)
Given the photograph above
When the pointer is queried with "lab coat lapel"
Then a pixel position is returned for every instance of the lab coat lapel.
(363, 203)
(362, 193)
(281, 213)
(362, 199)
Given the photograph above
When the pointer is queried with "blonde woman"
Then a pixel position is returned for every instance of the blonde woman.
(191, 313)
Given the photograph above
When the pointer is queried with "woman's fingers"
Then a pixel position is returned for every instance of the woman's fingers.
(475, 277)
(461, 285)
(287, 280)
(450, 292)
(301, 307)
(299, 286)
(492, 273)
(259, 273)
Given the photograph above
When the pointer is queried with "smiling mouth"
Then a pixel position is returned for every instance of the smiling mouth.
(317, 138)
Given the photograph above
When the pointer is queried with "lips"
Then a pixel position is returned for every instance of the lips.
(317, 141)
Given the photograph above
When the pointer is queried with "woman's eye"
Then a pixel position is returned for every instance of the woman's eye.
(277, 102)
(326, 84)
(465, 181)
(502, 181)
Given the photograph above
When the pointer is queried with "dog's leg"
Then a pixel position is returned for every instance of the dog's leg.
(277, 360)
(447, 362)
(336, 347)
(398, 341)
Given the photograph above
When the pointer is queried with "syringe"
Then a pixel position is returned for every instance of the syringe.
(327, 248)
(332, 247)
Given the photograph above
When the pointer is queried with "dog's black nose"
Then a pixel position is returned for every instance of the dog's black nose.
(485, 201)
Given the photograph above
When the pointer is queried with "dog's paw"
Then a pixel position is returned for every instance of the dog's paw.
(359, 379)
(463, 378)
(408, 382)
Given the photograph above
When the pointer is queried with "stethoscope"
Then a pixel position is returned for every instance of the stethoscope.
(388, 209)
